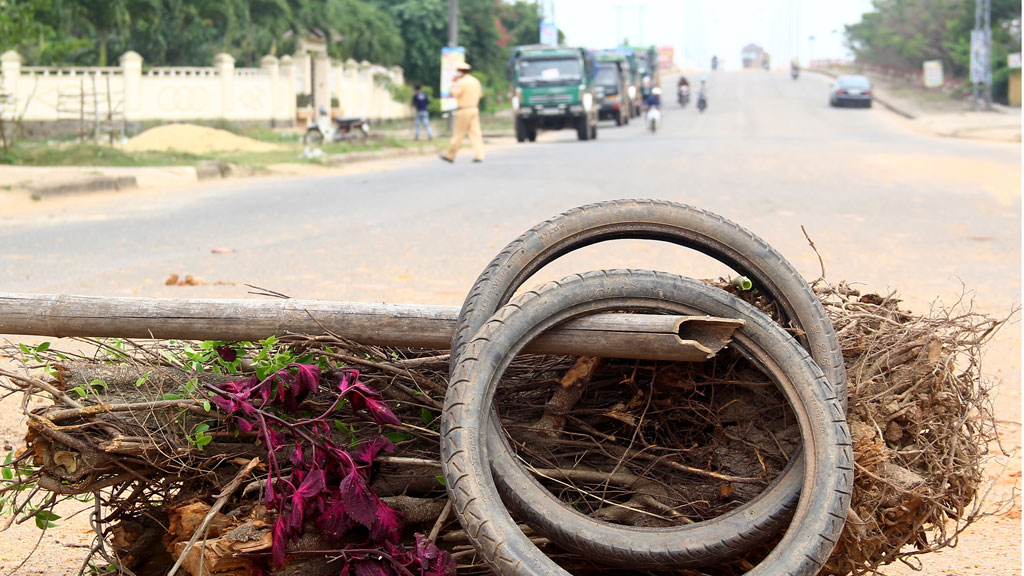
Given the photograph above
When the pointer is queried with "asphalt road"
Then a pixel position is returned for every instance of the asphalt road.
(886, 206)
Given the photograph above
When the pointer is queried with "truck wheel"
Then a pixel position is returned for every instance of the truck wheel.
(531, 132)
(468, 439)
(521, 132)
(583, 129)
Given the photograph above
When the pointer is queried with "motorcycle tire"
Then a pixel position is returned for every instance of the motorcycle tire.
(642, 219)
(467, 438)
(314, 138)
(687, 226)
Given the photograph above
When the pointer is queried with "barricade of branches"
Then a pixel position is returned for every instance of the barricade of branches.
(282, 455)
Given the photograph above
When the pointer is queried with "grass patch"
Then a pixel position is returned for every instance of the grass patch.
(28, 153)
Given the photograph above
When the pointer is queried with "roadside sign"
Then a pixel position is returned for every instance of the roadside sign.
(933, 74)
(979, 57)
(450, 58)
(548, 33)
(1013, 60)
(666, 57)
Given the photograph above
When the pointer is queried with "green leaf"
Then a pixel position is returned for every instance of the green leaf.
(143, 379)
(397, 437)
(24, 349)
(427, 416)
(206, 405)
(7, 471)
(440, 479)
(80, 391)
(43, 347)
(45, 519)
(97, 383)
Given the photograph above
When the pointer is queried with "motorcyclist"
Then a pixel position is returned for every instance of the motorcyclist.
(702, 93)
(714, 62)
(653, 100)
(683, 90)
(653, 106)
(794, 69)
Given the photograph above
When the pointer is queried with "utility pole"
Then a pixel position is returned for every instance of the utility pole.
(981, 55)
(453, 23)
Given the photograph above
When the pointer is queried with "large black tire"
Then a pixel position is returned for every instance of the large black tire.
(687, 226)
(680, 224)
(582, 129)
(531, 132)
(467, 445)
(521, 132)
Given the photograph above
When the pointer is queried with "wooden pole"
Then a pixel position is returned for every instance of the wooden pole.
(641, 336)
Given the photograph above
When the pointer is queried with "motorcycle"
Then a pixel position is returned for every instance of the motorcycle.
(795, 73)
(653, 119)
(702, 102)
(684, 95)
(327, 129)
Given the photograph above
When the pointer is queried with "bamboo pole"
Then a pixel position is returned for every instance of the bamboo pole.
(641, 336)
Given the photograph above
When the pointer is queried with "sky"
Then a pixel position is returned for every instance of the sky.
(699, 29)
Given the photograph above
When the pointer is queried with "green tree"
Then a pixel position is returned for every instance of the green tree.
(424, 26)
(18, 24)
(905, 33)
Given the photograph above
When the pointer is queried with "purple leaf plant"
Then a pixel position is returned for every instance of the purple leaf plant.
(325, 483)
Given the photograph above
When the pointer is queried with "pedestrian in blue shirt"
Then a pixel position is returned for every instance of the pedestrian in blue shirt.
(421, 101)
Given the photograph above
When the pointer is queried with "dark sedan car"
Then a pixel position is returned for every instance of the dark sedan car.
(855, 90)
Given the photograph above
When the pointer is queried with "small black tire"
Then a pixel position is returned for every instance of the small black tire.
(468, 437)
(582, 128)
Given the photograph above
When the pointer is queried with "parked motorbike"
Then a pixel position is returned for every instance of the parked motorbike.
(684, 95)
(328, 129)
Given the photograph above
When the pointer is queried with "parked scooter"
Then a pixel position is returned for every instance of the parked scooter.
(328, 129)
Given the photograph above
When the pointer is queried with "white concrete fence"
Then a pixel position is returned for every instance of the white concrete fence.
(176, 94)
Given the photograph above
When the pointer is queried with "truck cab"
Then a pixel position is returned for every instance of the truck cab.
(554, 89)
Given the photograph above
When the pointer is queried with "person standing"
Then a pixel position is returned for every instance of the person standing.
(420, 101)
(467, 93)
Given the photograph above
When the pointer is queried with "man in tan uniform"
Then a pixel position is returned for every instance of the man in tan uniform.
(467, 93)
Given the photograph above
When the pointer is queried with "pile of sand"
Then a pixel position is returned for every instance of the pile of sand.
(193, 139)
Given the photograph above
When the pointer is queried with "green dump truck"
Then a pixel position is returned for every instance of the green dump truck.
(616, 90)
(554, 89)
